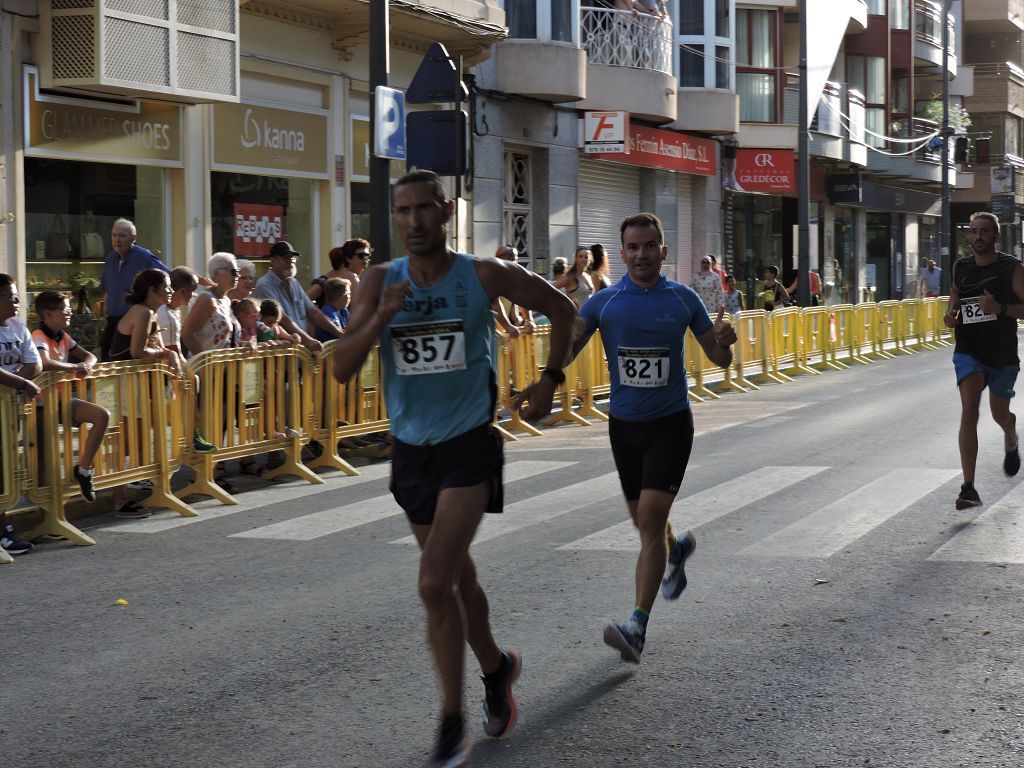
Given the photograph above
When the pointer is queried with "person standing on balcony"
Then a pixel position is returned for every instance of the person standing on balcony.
(985, 298)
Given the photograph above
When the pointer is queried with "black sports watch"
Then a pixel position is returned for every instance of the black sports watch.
(557, 375)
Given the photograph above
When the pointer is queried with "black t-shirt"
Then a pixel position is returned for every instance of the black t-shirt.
(991, 342)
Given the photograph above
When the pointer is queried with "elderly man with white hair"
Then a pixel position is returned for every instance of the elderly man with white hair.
(210, 323)
(119, 270)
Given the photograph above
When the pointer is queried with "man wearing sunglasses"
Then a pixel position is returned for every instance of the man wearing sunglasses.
(299, 310)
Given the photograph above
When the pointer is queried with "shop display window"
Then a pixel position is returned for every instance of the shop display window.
(70, 207)
(250, 213)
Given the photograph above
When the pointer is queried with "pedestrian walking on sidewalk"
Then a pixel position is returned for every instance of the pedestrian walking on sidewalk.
(430, 311)
(985, 297)
(643, 321)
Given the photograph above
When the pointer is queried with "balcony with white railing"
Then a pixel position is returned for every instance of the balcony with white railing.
(629, 63)
(928, 34)
(542, 57)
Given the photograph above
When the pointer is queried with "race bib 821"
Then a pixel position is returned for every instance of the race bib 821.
(437, 347)
(643, 366)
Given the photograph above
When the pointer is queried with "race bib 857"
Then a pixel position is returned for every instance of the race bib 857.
(436, 347)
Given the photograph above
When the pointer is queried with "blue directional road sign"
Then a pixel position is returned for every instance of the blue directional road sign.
(389, 127)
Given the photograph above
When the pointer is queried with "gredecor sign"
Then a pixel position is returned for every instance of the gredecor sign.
(658, 148)
(250, 136)
(766, 170)
(143, 132)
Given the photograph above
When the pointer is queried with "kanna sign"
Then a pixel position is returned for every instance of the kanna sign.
(657, 148)
(284, 141)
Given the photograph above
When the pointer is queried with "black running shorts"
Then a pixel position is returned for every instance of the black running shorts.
(420, 472)
(651, 454)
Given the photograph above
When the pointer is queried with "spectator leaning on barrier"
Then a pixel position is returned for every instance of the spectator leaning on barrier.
(347, 261)
(280, 284)
(270, 315)
(119, 270)
(210, 323)
(19, 365)
(774, 294)
(59, 352)
(168, 316)
(337, 294)
(246, 280)
(734, 302)
(137, 337)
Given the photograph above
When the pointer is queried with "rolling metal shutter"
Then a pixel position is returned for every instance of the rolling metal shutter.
(609, 192)
(682, 249)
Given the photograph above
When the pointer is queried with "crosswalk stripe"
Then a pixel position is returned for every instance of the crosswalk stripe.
(704, 506)
(546, 506)
(213, 509)
(995, 536)
(839, 524)
(329, 521)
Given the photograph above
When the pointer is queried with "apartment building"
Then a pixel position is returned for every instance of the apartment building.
(213, 124)
(536, 187)
(993, 33)
(875, 181)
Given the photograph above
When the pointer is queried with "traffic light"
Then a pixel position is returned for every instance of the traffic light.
(981, 151)
(960, 149)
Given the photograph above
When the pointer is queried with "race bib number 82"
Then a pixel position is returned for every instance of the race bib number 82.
(970, 312)
(643, 367)
(436, 347)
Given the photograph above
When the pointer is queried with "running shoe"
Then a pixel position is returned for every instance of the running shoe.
(132, 511)
(452, 749)
(84, 484)
(1011, 461)
(500, 711)
(201, 445)
(968, 497)
(12, 543)
(675, 575)
(626, 638)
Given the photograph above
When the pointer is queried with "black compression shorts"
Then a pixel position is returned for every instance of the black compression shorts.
(651, 454)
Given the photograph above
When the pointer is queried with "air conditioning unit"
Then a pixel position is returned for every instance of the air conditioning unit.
(176, 50)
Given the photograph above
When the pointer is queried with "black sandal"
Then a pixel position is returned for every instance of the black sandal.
(132, 510)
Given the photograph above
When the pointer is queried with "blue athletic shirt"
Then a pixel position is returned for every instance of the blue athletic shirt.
(439, 356)
(643, 331)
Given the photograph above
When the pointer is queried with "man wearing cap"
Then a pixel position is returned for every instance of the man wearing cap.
(708, 286)
(280, 284)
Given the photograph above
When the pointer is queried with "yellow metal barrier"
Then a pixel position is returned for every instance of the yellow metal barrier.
(517, 367)
(817, 348)
(888, 330)
(595, 380)
(340, 410)
(846, 346)
(938, 334)
(867, 331)
(785, 342)
(249, 400)
(143, 441)
(695, 361)
(12, 471)
(751, 357)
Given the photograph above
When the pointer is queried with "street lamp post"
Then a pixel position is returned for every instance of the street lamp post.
(944, 235)
(803, 267)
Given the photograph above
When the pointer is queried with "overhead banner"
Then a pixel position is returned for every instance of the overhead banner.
(766, 170)
(657, 148)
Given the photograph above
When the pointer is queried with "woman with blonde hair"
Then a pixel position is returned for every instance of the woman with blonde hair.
(576, 283)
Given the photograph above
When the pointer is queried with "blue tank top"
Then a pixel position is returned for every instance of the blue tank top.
(439, 356)
(643, 331)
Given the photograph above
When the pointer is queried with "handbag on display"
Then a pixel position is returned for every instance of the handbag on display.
(91, 246)
(58, 245)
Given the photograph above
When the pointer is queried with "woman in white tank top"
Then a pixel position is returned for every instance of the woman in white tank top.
(576, 283)
(210, 323)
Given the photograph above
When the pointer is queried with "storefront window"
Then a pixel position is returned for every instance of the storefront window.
(250, 213)
(70, 207)
(840, 276)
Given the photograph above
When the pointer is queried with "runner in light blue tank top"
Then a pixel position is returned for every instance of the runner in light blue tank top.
(439, 349)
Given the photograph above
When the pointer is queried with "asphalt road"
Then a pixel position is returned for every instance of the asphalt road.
(840, 611)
